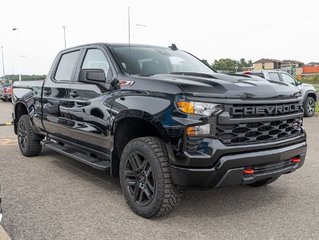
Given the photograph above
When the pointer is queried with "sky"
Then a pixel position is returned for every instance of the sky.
(208, 29)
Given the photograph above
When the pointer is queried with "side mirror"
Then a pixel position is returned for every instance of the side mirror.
(298, 82)
(92, 75)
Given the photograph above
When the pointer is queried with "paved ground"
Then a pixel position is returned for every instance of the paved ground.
(54, 197)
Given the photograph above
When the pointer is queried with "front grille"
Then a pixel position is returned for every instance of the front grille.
(252, 132)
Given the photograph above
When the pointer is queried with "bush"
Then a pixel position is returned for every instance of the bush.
(311, 79)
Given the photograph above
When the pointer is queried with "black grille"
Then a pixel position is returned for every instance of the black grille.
(252, 132)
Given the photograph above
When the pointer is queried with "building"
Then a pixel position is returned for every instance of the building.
(267, 64)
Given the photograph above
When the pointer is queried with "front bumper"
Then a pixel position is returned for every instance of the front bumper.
(229, 169)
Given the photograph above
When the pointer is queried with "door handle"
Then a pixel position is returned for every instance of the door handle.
(47, 91)
(74, 94)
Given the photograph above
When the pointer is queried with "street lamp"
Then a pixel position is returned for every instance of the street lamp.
(4, 74)
(64, 27)
(19, 59)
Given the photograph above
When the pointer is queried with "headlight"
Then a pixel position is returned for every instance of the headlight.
(200, 108)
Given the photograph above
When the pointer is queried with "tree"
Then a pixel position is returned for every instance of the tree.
(205, 62)
(231, 65)
(225, 64)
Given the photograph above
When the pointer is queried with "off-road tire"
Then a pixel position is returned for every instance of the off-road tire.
(165, 193)
(28, 141)
(309, 106)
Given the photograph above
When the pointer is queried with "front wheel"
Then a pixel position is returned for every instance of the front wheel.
(146, 179)
(309, 107)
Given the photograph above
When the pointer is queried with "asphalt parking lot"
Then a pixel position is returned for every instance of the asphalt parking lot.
(55, 197)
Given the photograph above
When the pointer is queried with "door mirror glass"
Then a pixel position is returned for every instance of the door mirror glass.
(92, 75)
(298, 83)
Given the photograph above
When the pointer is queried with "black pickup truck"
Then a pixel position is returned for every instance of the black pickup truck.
(161, 120)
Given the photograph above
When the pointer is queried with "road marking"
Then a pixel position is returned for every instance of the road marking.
(3, 234)
(6, 124)
(8, 141)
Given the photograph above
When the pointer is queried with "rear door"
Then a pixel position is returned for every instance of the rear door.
(56, 93)
(89, 107)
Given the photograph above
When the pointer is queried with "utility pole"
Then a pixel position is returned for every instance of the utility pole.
(64, 27)
(129, 25)
(4, 74)
(19, 59)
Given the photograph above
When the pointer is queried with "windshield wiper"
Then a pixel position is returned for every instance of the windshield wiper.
(196, 74)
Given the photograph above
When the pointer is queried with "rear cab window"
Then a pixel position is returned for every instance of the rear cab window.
(274, 76)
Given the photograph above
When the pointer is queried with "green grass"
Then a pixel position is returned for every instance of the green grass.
(317, 107)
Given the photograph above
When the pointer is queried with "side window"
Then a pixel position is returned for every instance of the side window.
(274, 76)
(287, 79)
(96, 59)
(66, 66)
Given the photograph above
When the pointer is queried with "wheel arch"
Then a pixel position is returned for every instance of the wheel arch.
(311, 94)
(20, 109)
(129, 126)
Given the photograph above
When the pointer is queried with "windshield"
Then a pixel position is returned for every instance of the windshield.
(156, 60)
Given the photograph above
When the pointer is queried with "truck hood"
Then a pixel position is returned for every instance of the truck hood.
(215, 85)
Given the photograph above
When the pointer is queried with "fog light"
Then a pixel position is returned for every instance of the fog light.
(198, 130)
(295, 160)
(249, 171)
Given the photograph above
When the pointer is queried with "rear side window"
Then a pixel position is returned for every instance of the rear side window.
(274, 76)
(259, 75)
(66, 66)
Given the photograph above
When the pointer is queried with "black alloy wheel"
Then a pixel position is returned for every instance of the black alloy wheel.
(146, 179)
(139, 179)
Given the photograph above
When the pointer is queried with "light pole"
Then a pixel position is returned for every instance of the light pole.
(19, 59)
(129, 25)
(64, 27)
(4, 74)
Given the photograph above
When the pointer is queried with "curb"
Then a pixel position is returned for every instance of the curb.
(6, 124)
(3, 234)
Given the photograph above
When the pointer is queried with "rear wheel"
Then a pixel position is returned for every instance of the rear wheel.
(146, 179)
(263, 182)
(28, 141)
(309, 106)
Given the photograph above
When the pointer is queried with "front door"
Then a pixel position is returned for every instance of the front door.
(89, 106)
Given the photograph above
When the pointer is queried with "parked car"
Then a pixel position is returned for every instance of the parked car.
(160, 120)
(308, 91)
(6, 92)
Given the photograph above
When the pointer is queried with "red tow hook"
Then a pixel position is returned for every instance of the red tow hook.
(249, 171)
(295, 160)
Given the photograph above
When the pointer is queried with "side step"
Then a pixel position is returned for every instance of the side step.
(77, 155)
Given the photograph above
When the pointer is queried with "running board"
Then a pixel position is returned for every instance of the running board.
(77, 155)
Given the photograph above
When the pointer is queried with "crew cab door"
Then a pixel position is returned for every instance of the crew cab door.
(56, 93)
(89, 107)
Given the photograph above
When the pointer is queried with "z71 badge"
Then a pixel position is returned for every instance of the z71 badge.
(126, 83)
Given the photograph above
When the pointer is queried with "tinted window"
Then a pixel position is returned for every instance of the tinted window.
(95, 59)
(259, 75)
(287, 79)
(66, 66)
(156, 60)
(274, 76)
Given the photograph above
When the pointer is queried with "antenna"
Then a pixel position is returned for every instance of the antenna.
(173, 47)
